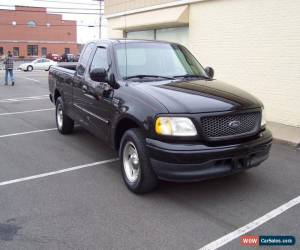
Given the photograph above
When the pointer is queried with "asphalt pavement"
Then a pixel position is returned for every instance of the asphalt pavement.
(58, 192)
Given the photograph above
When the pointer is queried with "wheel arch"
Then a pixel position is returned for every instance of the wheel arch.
(56, 95)
(124, 124)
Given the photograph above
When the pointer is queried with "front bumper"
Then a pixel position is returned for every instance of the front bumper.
(190, 162)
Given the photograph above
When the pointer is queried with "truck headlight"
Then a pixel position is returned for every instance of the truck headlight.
(175, 126)
(263, 118)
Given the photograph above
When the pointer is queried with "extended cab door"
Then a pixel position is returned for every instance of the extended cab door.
(81, 98)
(99, 107)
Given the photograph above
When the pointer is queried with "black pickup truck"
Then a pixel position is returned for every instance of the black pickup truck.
(164, 113)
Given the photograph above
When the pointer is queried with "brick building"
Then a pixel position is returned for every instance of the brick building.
(31, 32)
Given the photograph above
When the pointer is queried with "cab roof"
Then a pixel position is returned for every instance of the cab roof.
(123, 40)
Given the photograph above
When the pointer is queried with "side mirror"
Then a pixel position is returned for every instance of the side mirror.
(98, 75)
(210, 72)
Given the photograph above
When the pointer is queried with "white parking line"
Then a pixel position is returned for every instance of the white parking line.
(251, 226)
(29, 132)
(25, 112)
(29, 98)
(31, 79)
(33, 177)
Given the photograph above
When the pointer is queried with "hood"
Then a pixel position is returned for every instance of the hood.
(200, 96)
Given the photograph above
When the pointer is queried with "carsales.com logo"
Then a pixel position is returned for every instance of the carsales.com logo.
(254, 240)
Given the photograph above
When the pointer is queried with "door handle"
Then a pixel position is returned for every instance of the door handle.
(84, 88)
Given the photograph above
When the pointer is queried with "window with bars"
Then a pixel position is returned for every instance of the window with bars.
(32, 50)
(44, 51)
(16, 51)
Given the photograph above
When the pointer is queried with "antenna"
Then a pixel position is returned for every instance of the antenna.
(126, 61)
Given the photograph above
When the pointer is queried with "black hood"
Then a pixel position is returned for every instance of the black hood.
(199, 96)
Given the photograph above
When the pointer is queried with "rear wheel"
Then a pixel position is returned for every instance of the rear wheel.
(65, 124)
(29, 68)
(136, 166)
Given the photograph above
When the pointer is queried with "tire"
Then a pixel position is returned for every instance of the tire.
(142, 179)
(65, 125)
(29, 68)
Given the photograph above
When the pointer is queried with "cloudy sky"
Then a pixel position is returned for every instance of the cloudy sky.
(84, 33)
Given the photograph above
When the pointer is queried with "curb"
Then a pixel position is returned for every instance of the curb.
(287, 143)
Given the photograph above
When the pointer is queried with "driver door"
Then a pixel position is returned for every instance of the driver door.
(37, 64)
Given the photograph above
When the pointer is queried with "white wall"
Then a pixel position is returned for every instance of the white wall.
(255, 45)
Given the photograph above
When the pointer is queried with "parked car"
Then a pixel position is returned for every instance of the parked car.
(67, 58)
(76, 58)
(38, 64)
(166, 115)
(54, 57)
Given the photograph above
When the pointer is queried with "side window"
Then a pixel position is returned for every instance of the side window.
(84, 59)
(100, 59)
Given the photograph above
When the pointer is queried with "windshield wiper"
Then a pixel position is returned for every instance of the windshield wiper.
(191, 76)
(151, 76)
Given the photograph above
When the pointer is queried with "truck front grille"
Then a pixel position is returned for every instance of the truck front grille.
(231, 126)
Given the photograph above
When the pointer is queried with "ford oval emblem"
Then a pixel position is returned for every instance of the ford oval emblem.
(234, 124)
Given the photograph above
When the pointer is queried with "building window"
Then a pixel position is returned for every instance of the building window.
(31, 24)
(1, 51)
(67, 50)
(32, 50)
(144, 34)
(16, 51)
(177, 35)
(44, 51)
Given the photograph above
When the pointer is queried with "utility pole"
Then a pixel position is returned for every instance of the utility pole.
(101, 5)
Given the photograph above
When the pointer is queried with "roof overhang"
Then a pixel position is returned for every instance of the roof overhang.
(169, 17)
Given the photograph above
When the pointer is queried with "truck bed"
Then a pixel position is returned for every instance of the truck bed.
(63, 71)
(70, 66)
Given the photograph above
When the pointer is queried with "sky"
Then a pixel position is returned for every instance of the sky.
(84, 33)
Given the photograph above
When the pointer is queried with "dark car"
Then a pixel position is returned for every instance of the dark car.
(164, 113)
(67, 57)
(54, 57)
(76, 58)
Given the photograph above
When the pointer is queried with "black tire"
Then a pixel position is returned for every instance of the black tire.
(29, 68)
(146, 180)
(65, 124)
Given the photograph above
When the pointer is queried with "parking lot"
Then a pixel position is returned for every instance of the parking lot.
(66, 192)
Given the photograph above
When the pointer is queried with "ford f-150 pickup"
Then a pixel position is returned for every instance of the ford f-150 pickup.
(166, 115)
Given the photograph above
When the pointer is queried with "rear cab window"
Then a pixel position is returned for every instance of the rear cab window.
(84, 59)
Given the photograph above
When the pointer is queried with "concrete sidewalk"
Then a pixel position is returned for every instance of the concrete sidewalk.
(285, 133)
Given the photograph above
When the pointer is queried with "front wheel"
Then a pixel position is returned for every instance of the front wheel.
(137, 171)
(64, 123)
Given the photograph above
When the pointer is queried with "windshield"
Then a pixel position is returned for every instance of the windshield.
(156, 59)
